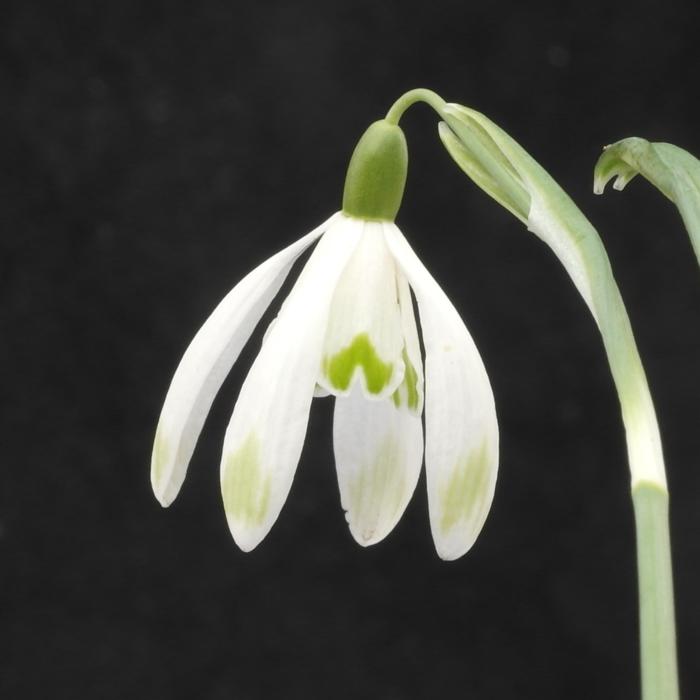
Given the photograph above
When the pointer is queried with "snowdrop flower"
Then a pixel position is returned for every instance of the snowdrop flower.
(346, 329)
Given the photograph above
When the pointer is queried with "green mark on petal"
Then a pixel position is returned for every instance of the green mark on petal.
(411, 381)
(465, 488)
(340, 368)
(245, 490)
(161, 453)
(408, 390)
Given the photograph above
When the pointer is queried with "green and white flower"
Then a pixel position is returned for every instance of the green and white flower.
(346, 329)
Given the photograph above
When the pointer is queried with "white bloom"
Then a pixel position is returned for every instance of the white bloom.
(348, 327)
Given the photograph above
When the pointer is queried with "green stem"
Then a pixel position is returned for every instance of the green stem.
(500, 166)
(411, 97)
(656, 615)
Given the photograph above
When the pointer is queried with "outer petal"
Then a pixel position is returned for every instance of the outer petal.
(379, 444)
(364, 340)
(266, 433)
(461, 429)
(208, 360)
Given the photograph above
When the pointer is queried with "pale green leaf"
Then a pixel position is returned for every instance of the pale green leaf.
(675, 172)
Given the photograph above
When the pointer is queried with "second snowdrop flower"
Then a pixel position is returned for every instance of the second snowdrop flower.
(347, 329)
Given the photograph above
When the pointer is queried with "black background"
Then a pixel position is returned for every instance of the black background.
(152, 154)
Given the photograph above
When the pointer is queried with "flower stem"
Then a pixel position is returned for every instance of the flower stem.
(411, 97)
(503, 169)
(656, 615)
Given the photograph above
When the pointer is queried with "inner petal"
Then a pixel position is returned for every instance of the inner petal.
(364, 338)
(410, 391)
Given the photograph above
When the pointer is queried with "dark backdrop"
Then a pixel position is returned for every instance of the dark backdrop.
(152, 154)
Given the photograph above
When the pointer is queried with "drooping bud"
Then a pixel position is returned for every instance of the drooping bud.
(376, 175)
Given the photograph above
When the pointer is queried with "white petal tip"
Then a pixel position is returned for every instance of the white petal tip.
(164, 491)
(452, 554)
(165, 465)
(245, 538)
(367, 538)
(162, 499)
(247, 547)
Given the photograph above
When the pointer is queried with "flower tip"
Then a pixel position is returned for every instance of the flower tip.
(455, 109)
(620, 161)
(444, 130)
(164, 489)
(619, 183)
(247, 547)
(367, 537)
(366, 531)
(161, 488)
(163, 466)
(246, 539)
(607, 167)
(449, 554)
(162, 497)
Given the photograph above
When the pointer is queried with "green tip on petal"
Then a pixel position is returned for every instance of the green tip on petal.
(245, 487)
(376, 175)
(467, 492)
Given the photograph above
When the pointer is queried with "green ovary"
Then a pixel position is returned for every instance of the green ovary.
(245, 490)
(340, 368)
(465, 488)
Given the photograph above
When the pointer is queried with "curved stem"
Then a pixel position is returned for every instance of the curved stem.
(411, 97)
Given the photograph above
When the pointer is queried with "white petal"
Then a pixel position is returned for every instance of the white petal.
(364, 339)
(266, 433)
(378, 454)
(461, 442)
(208, 360)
